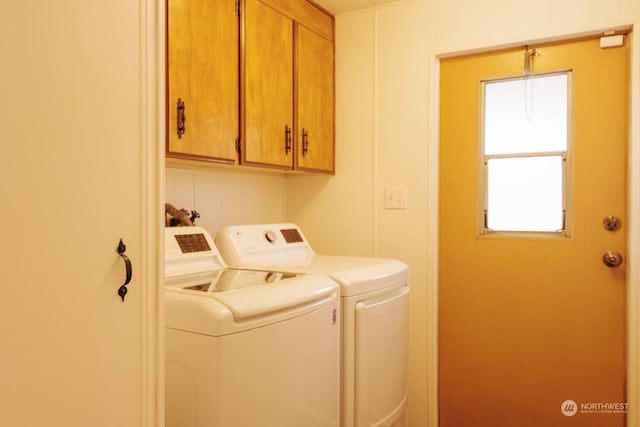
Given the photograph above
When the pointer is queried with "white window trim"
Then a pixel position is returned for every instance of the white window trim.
(567, 170)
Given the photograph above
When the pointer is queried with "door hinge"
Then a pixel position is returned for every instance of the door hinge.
(237, 7)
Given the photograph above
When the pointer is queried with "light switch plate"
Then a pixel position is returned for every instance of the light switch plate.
(395, 197)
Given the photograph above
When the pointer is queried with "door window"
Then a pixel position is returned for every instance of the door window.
(525, 151)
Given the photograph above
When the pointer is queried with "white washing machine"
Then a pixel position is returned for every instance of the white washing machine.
(247, 348)
(375, 315)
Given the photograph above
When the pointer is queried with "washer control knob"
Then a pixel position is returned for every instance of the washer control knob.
(271, 236)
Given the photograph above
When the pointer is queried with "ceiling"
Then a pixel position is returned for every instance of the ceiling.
(338, 7)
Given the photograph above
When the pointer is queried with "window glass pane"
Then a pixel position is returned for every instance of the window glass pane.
(526, 115)
(525, 194)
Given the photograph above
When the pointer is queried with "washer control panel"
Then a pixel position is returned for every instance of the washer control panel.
(189, 250)
(192, 243)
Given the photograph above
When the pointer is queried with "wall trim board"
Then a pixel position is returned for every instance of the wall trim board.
(433, 219)
(633, 277)
(633, 269)
(152, 132)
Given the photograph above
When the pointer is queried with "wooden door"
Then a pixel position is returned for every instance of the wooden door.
(78, 117)
(315, 102)
(532, 325)
(268, 87)
(202, 45)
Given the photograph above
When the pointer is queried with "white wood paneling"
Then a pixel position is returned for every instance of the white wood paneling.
(225, 197)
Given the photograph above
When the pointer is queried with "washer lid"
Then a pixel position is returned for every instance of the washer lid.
(225, 280)
(197, 306)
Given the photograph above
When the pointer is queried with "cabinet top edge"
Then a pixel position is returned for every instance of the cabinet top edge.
(306, 13)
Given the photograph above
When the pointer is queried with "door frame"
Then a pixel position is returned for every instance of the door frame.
(152, 163)
(633, 231)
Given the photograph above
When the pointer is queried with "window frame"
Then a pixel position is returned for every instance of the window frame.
(567, 167)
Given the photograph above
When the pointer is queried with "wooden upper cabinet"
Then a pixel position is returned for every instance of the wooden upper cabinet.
(202, 55)
(315, 102)
(287, 86)
(261, 71)
(268, 87)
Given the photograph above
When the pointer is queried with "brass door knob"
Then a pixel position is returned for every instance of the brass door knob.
(612, 259)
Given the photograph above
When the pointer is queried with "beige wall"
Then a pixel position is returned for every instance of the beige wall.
(384, 59)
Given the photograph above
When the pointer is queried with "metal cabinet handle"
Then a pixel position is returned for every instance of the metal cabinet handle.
(122, 291)
(287, 139)
(305, 142)
(181, 118)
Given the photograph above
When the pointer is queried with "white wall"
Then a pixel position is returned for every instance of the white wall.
(453, 25)
(226, 197)
(384, 84)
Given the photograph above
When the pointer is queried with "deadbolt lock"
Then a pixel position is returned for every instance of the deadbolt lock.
(612, 223)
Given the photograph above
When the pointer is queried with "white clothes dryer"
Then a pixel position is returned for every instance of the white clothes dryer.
(247, 348)
(375, 315)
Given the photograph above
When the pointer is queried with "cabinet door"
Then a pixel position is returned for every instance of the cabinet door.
(315, 102)
(79, 166)
(203, 73)
(268, 87)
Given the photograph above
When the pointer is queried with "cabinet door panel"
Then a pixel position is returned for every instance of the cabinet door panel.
(315, 101)
(203, 72)
(268, 91)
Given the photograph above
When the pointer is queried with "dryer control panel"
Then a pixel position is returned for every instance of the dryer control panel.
(264, 245)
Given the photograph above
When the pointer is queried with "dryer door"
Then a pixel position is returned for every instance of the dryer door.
(382, 353)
